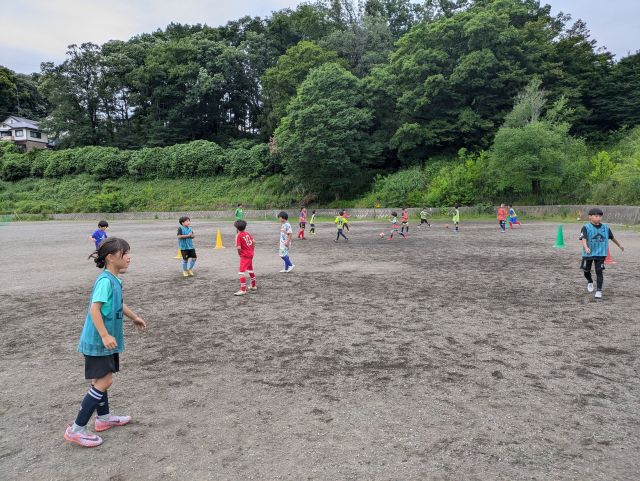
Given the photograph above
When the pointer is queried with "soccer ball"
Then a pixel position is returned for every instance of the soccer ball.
(381, 234)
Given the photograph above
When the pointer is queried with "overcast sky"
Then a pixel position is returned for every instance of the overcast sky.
(40, 30)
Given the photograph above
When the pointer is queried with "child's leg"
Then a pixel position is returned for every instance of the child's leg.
(599, 265)
(185, 264)
(92, 400)
(287, 261)
(457, 226)
(313, 229)
(342, 234)
(243, 282)
(338, 235)
(587, 269)
(252, 276)
(192, 263)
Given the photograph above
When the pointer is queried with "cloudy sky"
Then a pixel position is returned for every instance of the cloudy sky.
(40, 30)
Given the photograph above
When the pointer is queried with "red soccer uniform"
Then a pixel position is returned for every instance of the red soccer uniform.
(502, 213)
(405, 217)
(245, 242)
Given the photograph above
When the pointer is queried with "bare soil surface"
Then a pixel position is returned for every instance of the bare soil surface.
(470, 356)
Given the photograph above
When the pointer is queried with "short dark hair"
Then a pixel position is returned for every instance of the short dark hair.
(283, 215)
(103, 223)
(240, 225)
(239, 204)
(596, 211)
(183, 218)
(341, 212)
(394, 213)
(313, 211)
(112, 245)
(457, 206)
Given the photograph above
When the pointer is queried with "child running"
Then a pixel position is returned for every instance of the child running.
(341, 222)
(405, 220)
(245, 244)
(502, 218)
(595, 238)
(423, 217)
(394, 226)
(286, 235)
(346, 216)
(456, 217)
(100, 234)
(313, 223)
(102, 341)
(302, 222)
(185, 244)
(513, 218)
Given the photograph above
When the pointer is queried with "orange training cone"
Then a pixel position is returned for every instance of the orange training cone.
(178, 255)
(219, 241)
(609, 260)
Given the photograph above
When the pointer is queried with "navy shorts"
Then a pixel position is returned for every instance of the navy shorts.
(188, 254)
(96, 367)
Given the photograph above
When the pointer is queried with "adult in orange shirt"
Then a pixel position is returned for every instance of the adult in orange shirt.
(502, 218)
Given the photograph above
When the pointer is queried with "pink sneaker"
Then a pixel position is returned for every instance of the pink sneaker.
(112, 422)
(84, 438)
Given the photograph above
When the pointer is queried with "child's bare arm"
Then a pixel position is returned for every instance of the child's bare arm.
(137, 320)
(585, 246)
(96, 316)
(615, 241)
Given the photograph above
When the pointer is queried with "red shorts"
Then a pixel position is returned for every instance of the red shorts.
(246, 264)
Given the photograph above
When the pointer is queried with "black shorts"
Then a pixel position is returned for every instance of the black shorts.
(302, 225)
(585, 265)
(96, 367)
(188, 254)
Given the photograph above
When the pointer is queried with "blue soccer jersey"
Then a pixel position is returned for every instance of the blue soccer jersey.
(185, 244)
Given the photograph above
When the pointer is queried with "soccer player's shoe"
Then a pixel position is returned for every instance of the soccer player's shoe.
(111, 421)
(185, 274)
(84, 437)
(598, 294)
(589, 286)
(290, 268)
(240, 293)
(253, 288)
(190, 272)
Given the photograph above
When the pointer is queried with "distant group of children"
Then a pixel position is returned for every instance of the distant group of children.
(102, 337)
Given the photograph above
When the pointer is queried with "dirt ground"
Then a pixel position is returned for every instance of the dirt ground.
(470, 356)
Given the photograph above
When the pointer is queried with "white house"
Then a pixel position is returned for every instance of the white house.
(23, 132)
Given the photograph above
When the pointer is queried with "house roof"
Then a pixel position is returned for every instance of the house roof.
(20, 123)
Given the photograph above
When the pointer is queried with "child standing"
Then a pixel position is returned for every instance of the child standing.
(595, 238)
(244, 244)
(513, 218)
(405, 220)
(502, 218)
(100, 234)
(286, 235)
(456, 217)
(185, 244)
(238, 214)
(102, 341)
(302, 222)
(423, 217)
(341, 222)
(394, 226)
(313, 223)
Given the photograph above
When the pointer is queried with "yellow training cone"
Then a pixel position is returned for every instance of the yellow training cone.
(178, 255)
(219, 241)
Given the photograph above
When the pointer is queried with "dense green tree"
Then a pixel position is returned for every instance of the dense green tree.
(324, 138)
(280, 82)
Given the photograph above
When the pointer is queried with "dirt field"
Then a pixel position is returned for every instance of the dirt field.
(476, 356)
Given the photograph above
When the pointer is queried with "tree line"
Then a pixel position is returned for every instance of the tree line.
(343, 92)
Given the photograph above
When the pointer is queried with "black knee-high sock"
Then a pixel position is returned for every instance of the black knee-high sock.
(587, 274)
(599, 279)
(89, 404)
(103, 406)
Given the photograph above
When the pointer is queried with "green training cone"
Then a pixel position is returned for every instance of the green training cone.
(559, 239)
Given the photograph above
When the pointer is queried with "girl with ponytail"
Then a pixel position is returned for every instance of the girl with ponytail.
(102, 341)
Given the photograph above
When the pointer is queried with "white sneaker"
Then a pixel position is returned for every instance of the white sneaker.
(598, 294)
(589, 286)
(240, 293)
(283, 270)
(290, 268)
